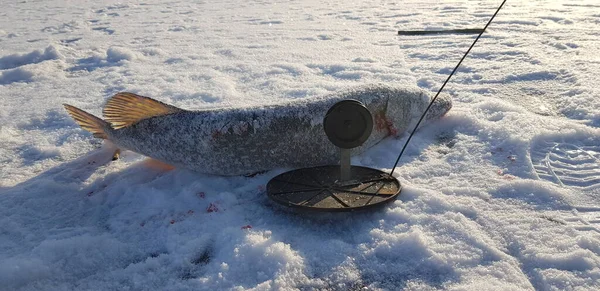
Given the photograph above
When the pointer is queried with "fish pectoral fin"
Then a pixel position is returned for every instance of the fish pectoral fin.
(116, 154)
(125, 109)
(158, 165)
(91, 123)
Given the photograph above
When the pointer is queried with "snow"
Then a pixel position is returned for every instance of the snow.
(501, 194)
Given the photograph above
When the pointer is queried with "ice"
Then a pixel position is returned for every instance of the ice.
(501, 194)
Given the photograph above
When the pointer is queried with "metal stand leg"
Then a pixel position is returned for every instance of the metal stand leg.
(345, 164)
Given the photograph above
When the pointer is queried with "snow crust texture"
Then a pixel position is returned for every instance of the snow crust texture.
(501, 194)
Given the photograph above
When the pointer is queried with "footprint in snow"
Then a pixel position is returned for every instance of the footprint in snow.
(582, 218)
(568, 160)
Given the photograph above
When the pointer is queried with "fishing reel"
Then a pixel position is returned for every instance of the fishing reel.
(344, 187)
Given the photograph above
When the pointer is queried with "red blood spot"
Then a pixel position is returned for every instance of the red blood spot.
(142, 224)
(201, 195)
(247, 226)
(380, 122)
(505, 176)
(172, 221)
(391, 128)
(212, 208)
(90, 193)
(190, 212)
(393, 131)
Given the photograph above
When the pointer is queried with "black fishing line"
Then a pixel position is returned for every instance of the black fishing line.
(442, 87)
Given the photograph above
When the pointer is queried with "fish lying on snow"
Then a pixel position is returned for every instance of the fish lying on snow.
(241, 141)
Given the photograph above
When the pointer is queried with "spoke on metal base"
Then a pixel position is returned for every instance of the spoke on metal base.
(320, 188)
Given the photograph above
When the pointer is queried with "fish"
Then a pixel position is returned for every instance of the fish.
(235, 141)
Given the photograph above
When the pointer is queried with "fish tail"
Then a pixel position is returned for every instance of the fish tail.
(91, 123)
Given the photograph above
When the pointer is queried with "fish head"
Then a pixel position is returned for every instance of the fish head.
(439, 108)
(406, 105)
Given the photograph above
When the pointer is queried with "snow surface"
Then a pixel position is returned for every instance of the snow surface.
(502, 194)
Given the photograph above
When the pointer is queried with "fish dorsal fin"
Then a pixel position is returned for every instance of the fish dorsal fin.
(125, 109)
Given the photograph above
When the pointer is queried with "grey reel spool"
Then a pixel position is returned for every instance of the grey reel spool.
(347, 124)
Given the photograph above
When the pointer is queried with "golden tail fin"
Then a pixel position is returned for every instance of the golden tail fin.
(88, 122)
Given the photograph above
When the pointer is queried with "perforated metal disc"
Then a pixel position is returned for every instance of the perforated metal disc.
(348, 124)
(319, 188)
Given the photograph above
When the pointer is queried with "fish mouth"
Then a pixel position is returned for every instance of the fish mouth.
(439, 108)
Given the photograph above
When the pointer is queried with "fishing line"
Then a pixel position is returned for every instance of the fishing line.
(442, 87)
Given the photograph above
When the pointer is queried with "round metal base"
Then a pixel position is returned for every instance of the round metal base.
(320, 188)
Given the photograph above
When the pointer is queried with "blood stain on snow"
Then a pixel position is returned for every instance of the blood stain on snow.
(505, 176)
(212, 208)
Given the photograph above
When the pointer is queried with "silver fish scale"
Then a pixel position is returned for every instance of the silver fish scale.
(240, 141)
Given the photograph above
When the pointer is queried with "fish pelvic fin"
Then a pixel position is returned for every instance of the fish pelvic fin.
(89, 122)
(125, 109)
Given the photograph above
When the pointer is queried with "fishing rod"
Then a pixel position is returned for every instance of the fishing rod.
(442, 87)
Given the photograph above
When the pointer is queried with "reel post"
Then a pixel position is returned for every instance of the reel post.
(347, 124)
